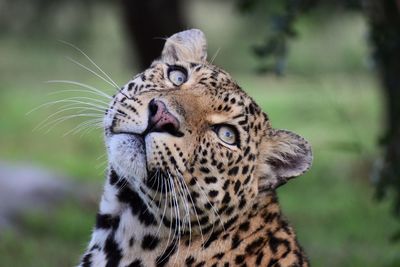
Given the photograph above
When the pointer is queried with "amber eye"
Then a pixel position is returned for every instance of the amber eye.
(227, 134)
(177, 75)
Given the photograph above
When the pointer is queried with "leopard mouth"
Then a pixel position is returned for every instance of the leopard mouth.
(127, 154)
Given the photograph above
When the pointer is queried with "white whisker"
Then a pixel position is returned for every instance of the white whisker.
(91, 61)
(85, 125)
(64, 118)
(90, 128)
(65, 91)
(165, 205)
(212, 206)
(67, 100)
(177, 217)
(152, 200)
(187, 218)
(67, 108)
(93, 72)
(170, 221)
(91, 88)
(215, 55)
(193, 205)
(45, 121)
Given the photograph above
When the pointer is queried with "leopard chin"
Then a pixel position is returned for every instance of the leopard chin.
(127, 155)
(131, 156)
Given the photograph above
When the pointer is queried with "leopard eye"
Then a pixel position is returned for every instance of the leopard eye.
(227, 134)
(177, 75)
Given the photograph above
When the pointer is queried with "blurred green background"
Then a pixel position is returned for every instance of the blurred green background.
(329, 95)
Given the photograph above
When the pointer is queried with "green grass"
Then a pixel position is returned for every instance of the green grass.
(55, 239)
(328, 96)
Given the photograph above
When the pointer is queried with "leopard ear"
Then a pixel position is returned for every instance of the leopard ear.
(284, 155)
(189, 45)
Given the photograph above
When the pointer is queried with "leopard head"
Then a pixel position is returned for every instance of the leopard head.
(193, 144)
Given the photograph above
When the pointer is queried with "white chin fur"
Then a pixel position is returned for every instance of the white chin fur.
(126, 154)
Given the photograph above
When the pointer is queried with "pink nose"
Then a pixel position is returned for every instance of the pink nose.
(161, 120)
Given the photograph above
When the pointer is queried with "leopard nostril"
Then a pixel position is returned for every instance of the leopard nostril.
(153, 107)
(161, 120)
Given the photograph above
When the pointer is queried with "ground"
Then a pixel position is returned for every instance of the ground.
(335, 105)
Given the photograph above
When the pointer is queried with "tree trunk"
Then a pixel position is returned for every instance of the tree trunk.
(147, 22)
(384, 21)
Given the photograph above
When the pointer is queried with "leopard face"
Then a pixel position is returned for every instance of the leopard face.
(193, 144)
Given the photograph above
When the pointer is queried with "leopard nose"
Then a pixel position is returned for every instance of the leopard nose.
(161, 120)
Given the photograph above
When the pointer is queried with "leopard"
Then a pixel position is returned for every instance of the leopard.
(193, 168)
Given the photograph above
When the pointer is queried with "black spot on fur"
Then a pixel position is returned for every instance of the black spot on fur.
(138, 207)
(203, 220)
(253, 246)
(164, 258)
(149, 242)
(273, 263)
(235, 241)
(210, 180)
(237, 186)
(230, 222)
(106, 221)
(233, 171)
(227, 198)
(260, 257)
(229, 210)
(87, 260)
(204, 170)
(113, 177)
(226, 184)
(245, 169)
(189, 261)
(246, 151)
(270, 217)
(274, 242)
(135, 263)
(219, 255)
(213, 193)
(244, 226)
(214, 236)
(112, 251)
(242, 203)
(239, 259)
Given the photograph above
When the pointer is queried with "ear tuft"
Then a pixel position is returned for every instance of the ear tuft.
(189, 45)
(284, 155)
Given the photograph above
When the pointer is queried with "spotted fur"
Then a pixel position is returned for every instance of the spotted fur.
(180, 195)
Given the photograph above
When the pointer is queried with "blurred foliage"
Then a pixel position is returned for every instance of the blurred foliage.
(278, 20)
(280, 17)
(384, 21)
(67, 18)
(279, 25)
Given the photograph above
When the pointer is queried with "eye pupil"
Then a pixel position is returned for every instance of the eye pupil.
(177, 75)
(227, 134)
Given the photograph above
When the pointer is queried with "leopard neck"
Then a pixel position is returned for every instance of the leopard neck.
(126, 228)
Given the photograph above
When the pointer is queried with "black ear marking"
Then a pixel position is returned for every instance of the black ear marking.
(285, 155)
(290, 161)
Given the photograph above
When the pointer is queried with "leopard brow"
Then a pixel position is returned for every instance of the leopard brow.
(238, 116)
